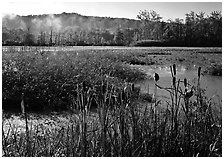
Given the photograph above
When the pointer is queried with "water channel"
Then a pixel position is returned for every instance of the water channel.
(211, 84)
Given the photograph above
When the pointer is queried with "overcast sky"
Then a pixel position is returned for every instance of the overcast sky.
(168, 10)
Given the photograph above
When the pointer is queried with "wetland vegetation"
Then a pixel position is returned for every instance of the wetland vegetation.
(61, 99)
(83, 101)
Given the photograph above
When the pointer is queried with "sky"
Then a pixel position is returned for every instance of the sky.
(168, 10)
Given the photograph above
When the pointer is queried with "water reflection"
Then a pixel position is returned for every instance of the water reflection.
(212, 84)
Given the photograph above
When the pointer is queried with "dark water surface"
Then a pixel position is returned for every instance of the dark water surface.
(212, 84)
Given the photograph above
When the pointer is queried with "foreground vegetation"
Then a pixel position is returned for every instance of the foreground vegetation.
(107, 114)
(189, 128)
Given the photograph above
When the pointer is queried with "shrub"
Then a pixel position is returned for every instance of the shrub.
(151, 43)
(215, 70)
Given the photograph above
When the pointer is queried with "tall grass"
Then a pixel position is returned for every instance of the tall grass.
(186, 126)
(49, 79)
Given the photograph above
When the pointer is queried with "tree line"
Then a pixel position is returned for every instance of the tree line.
(196, 30)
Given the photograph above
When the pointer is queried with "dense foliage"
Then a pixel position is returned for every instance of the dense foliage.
(49, 79)
(73, 29)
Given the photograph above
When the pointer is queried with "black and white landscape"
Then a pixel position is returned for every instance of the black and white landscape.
(109, 84)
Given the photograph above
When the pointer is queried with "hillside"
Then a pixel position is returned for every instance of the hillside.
(75, 29)
(63, 29)
(66, 21)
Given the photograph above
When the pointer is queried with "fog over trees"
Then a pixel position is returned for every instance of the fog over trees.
(71, 29)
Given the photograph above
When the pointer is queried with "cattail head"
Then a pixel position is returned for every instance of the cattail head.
(123, 95)
(174, 69)
(133, 87)
(22, 103)
(156, 77)
(174, 81)
(199, 72)
(84, 85)
(185, 82)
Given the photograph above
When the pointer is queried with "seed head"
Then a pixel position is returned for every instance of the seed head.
(22, 103)
(174, 81)
(199, 72)
(174, 69)
(132, 86)
(156, 77)
(185, 82)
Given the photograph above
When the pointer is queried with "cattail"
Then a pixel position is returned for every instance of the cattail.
(156, 77)
(199, 72)
(133, 87)
(185, 82)
(174, 69)
(174, 81)
(123, 95)
(103, 88)
(22, 104)
(83, 84)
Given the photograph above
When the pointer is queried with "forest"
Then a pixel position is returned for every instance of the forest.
(72, 29)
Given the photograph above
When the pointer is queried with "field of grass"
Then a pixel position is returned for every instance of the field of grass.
(88, 104)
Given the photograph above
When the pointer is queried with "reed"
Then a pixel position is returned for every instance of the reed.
(126, 129)
(108, 117)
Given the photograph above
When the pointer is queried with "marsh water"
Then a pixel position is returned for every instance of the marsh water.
(211, 84)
